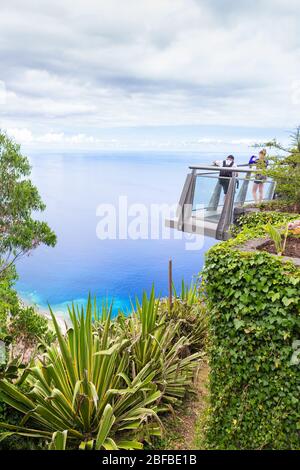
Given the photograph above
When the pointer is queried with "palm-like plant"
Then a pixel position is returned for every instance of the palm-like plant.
(276, 236)
(190, 312)
(187, 294)
(81, 394)
(156, 341)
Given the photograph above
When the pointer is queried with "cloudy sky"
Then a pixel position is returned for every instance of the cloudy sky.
(149, 73)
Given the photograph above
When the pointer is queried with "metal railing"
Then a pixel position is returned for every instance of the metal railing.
(237, 188)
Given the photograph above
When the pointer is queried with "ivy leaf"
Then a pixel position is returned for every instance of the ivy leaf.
(286, 301)
(238, 323)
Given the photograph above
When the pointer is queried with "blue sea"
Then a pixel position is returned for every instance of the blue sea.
(73, 186)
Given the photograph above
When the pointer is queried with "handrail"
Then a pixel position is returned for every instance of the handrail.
(209, 175)
(220, 168)
(185, 209)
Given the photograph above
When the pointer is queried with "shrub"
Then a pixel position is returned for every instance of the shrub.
(258, 221)
(156, 338)
(190, 312)
(30, 327)
(285, 169)
(9, 301)
(81, 388)
(254, 318)
(13, 370)
(277, 205)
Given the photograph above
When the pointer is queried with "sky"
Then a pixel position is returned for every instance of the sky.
(144, 74)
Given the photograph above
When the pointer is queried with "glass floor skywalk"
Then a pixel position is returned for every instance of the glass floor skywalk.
(208, 201)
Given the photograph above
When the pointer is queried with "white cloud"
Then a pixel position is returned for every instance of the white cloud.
(25, 136)
(2, 93)
(76, 70)
(59, 141)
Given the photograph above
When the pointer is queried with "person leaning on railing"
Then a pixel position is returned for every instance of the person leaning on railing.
(225, 174)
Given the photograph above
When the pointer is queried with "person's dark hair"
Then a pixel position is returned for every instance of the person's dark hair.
(231, 157)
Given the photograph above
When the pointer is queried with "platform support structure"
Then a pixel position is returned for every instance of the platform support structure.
(184, 211)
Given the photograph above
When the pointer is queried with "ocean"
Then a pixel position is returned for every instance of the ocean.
(74, 186)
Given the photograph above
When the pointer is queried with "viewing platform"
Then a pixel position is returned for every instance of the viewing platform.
(205, 209)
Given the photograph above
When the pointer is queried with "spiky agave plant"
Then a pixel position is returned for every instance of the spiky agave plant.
(155, 341)
(189, 308)
(187, 294)
(81, 394)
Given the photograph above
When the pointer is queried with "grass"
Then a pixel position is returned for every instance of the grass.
(184, 429)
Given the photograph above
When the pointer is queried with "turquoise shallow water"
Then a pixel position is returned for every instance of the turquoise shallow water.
(73, 186)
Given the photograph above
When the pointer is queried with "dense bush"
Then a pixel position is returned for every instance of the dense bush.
(275, 205)
(30, 327)
(285, 169)
(9, 301)
(21, 330)
(157, 337)
(23, 324)
(254, 320)
(189, 311)
(257, 221)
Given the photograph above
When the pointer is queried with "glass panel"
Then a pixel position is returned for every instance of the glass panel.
(209, 196)
(210, 192)
(244, 191)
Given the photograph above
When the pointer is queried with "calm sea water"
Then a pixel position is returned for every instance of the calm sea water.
(72, 187)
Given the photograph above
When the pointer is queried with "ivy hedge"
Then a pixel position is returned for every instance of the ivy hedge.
(254, 323)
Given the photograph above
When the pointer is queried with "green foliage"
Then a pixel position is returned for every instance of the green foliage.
(276, 236)
(10, 369)
(277, 205)
(20, 233)
(24, 328)
(59, 440)
(9, 302)
(21, 324)
(189, 311)
(157, 338)
(254, 318)
(14, 370)
(20, 327)
(30, 326)
(11, 416)
(257, 221)
(285, 169)
(104, 383)
(81, 386)
(188, 294)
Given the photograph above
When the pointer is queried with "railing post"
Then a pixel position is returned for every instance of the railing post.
(227, 211)
(241, 197)
(271, 191)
